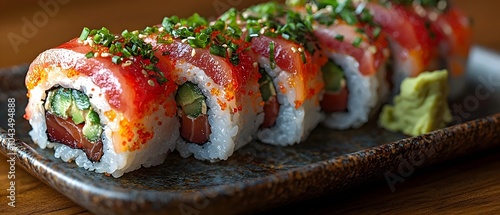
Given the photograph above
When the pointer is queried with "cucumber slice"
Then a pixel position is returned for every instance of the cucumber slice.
(61, 102)
(92, 117)
(333, 76)
(92, 132)
(81, 100)
(267, 89)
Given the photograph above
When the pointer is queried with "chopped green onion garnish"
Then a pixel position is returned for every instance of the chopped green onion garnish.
(303, 57)
(271, 55)
(349, 17)
(235, 59)
(339, 37)
(85, 33)
(357, 41)
(218, 50)
(116, 59)
(376, 32)
(89, 54)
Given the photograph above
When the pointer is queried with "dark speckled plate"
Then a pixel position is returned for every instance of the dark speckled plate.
(259, 176)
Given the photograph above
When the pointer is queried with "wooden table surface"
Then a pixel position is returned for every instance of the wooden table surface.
(469, 184)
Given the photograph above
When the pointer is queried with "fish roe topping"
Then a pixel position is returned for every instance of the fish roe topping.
(111, 115)
(135, 135)
(35, 77)
(70, 73)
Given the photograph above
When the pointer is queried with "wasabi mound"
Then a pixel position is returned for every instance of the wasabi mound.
(421, 106)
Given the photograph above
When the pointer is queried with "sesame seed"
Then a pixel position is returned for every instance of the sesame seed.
(433, 16)
(372, 49)
(144, 72)
(193, 52)
(328, 8)
(262, 30)
(151, 83)
(161, 29)
(142, 36)
(300, 49)
(255, 64)
(294, 50)
(127, 63)
(386, 52)
(105, 54)
(224, 45)
(96, 54)
(442, 5)
(245, 15)
(229, 51)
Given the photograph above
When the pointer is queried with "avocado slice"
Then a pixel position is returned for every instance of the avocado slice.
(332, 76)
(76, 114)
(191, 100)
(64, 102)
(188, 93)
(92, 129)
(195, 109)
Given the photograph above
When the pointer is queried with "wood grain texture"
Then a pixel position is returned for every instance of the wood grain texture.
(32, 196)
(466, 185)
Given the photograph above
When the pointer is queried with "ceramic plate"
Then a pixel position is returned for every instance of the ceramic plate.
(259, 176)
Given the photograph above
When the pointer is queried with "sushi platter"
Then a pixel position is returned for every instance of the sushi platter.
(257, 108)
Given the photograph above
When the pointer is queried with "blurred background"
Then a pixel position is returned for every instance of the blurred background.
(29, 27)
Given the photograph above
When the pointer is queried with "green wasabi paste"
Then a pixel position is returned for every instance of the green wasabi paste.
(421, 106)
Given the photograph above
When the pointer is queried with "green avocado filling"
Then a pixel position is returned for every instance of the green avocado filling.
(421, 107)
(65, 103)
(333, 77)
(267, 89)
(191, 100)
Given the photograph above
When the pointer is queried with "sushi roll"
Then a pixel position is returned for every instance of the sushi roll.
(102, 101)
(355, 74)
(291, 84)
(218, 98)
(412, 47)
(451, 31)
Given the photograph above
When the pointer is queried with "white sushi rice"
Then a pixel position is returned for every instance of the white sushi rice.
(112, 162)
(363, 95)
(293, 125)
(229, 131)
